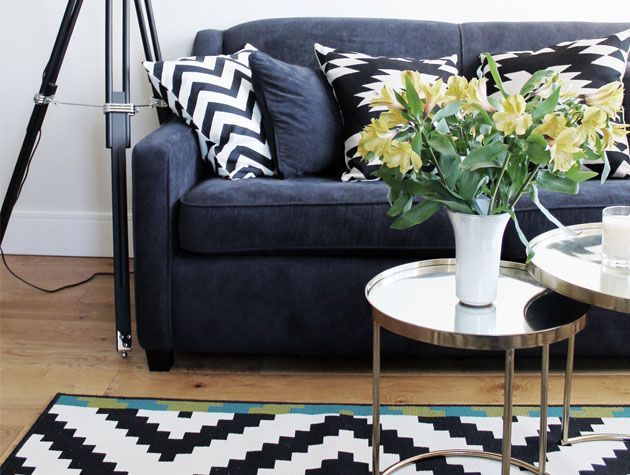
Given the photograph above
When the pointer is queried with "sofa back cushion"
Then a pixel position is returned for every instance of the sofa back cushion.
(291, 39)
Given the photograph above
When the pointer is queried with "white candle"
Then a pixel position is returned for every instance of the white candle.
(616, 235)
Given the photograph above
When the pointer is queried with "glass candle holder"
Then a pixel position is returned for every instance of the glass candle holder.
(616, 236)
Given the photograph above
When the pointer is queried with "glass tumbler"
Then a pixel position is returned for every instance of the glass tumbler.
(616, 236)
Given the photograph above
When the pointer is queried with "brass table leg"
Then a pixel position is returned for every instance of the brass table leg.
(566, 408)
(507, 412)
(544, 401)
(376, 409)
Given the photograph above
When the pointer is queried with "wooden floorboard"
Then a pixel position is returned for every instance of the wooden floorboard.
(63, 342)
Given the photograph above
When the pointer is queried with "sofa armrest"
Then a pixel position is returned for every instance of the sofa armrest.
(165, 165)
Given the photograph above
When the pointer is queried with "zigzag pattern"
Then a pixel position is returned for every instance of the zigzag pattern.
(215, 96)
(356, 78)
(585, 64)
(73, 439)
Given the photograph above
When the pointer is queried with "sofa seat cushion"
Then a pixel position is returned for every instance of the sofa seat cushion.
(323, 215)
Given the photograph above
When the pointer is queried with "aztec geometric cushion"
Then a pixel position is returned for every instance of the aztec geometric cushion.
(585, 64)
(356, 79)
(215, 96)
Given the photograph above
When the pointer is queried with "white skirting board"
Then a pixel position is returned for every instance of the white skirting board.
(61, 234)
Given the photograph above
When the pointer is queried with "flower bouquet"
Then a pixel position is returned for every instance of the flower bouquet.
(453, 147)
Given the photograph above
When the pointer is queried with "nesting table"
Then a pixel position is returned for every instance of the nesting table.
(570, 264)
(418, 301)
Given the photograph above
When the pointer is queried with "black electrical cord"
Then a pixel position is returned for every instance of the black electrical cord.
(21, 279)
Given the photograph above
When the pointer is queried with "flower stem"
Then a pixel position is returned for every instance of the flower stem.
(524, 187)
(497, 183)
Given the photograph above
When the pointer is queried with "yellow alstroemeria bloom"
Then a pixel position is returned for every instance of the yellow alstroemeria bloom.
(401, 155)
(593, 121)
(456, 89)
(414, 76)
(614, 133)
(552, 125)
(386, 99)
(607, 98)
(432, 94)
(567, 88)
(476, 94)
(564, 147)
(513, 117)
(392, 118)
(375, 138)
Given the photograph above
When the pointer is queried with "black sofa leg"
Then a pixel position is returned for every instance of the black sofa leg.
(159, 360)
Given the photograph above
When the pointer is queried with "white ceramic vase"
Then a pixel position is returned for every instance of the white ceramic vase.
(478, 255)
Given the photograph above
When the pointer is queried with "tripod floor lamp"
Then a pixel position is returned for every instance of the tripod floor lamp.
(118, 111)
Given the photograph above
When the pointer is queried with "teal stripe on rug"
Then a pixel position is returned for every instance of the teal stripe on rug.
(312, 409)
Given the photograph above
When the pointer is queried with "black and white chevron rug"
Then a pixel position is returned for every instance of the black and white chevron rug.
(109, 435)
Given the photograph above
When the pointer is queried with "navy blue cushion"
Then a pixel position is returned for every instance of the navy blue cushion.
(300, 117)
(321, 215)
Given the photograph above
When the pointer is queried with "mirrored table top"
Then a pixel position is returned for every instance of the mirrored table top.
(570, 264)
(418, 301)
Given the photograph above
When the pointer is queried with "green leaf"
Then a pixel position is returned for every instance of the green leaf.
(470, 183)
(577, 175)
(416, 143)
(548, 181)
(442, 127)
(494, 71)
(486, 156)
(415, 103)
(417, 214)
(534, 197)
(548, 105)
(442, 144)
(521, 234)
(449, 164)
(401, 204)
(537, 150)
(448, 111)
(535, 81)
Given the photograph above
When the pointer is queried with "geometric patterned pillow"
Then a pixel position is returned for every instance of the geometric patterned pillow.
(584, 65)
(215, 96)
(356, 78)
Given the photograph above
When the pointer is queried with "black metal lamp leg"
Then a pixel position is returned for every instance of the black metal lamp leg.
(118, 137)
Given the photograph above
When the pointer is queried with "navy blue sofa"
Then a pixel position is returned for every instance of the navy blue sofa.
(279, 266)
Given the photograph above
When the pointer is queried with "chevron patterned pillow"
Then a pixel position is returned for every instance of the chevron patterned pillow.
(584, 65)
(356, 78)
(215, 96)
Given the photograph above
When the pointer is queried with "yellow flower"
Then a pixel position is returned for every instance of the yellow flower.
(386, 99)
(476, 94)
(513, 117)
(375, 138)
(607, 98)
(432, 94)
(456, 89)
(401, 155)
(614, 133)
(552, 125)
(593, 121)
(567, 88)
(414, 76)
(392, 118)
(564, 147)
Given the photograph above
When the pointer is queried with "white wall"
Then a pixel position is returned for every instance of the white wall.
(64, 207)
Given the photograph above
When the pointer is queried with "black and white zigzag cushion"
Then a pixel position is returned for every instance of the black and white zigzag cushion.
(215, 96)
(585, 64)
(356, 79)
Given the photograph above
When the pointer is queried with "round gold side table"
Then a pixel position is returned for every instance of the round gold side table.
(418, 301)
(570, 263)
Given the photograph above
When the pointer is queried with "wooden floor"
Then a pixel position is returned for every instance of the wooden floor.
(63, 342)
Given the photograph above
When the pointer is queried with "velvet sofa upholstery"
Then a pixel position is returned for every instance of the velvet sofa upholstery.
(279, 266)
